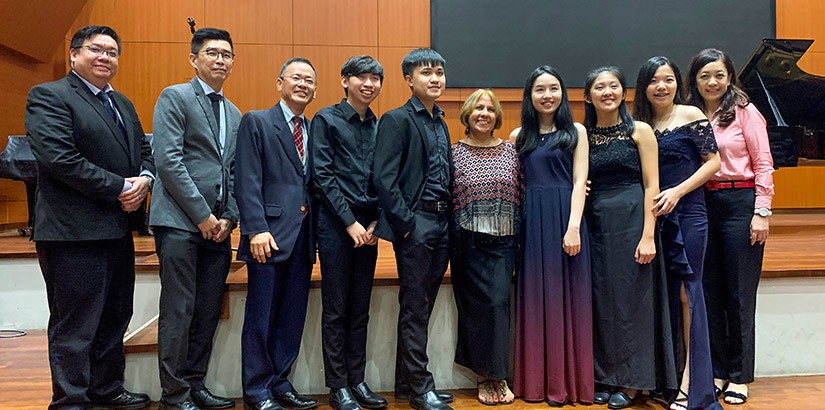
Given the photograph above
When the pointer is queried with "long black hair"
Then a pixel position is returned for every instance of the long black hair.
(733, 97)
(642, 108)
(590, 117)
(528, 137)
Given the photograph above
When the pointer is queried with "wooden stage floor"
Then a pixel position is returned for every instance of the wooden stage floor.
(25, 384)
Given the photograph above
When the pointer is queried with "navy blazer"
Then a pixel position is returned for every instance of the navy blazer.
(400, 169)
(271, 187)
(83, 161)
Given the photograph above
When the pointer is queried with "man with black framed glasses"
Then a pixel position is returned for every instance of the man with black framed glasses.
(95, 171)
(193, 214)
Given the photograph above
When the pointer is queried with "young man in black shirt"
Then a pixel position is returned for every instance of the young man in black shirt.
(342, 148)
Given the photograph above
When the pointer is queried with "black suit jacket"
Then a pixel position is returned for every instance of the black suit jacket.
(83, 161)
(271, 187)
(400, 170)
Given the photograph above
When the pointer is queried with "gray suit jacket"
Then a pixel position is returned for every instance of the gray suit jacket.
(190, 167)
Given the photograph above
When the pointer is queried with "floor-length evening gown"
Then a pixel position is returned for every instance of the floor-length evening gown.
(554, 339)
(632, 341)
(684, 239)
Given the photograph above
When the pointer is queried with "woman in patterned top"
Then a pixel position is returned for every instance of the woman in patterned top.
(632, 341)
(687, 159)
(486, 208)
(739, 202)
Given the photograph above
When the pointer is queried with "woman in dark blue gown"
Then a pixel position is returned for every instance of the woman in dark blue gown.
(554, 341)
(687, 159)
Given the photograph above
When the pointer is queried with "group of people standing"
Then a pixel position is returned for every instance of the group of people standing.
(610, 292)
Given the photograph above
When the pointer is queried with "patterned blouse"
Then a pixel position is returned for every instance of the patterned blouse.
(487, 186)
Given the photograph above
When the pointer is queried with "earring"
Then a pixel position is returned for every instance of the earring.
(467, 131)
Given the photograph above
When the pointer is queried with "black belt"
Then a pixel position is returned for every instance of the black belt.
(437, 207)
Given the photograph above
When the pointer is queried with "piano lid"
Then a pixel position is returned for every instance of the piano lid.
(784, 93)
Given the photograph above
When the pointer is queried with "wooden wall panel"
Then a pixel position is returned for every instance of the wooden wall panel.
(801, 19)
(404, 23)
(251, 21)
(338, 22)
(327, 60)
(395, 90)
(252, 83)
(22, 29)
(144, 20)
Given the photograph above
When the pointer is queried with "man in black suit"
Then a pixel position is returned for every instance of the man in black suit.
(276, 239)
(95, 172)
(341, 152)
(412, 177)
(193, 213)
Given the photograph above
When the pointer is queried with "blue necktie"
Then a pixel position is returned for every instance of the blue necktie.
(106, 99)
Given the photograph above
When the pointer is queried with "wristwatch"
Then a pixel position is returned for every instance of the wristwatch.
(763, 212)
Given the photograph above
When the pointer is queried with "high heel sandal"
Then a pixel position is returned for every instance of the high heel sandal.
(679, 403)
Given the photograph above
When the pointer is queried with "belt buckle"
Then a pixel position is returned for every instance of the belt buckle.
(441, 206)
(712, 185)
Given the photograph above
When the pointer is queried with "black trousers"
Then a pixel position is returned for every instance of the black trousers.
(346, 287)
(422, 260)
(193, 275)
(90, 289)
(732, 270)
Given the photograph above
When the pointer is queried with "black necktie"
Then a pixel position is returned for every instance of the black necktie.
(106, 99)
(216, 107)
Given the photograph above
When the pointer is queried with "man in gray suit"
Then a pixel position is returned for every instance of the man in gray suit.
(193, 213)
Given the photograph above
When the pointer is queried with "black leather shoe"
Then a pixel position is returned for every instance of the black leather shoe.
(292, 400)
(601, 397)
(125, 401)
(619, 400)
(185, 405)
(206, 400)
(367, 398)
(268, 404)
(342, 399)
(428, 401)
(445, 396)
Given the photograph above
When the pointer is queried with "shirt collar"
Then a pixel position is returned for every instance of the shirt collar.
(91, 86)
(207, 89)
(419, 106)
(350, 112)
(288, 114)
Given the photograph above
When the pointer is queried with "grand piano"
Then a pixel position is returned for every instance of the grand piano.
(792, 101)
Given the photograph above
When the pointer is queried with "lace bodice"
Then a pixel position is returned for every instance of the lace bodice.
(614, 158)
(681, 150)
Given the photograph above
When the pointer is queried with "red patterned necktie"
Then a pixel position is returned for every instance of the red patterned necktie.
(298, 136)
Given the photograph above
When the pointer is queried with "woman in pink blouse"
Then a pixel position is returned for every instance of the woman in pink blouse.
(738, 202)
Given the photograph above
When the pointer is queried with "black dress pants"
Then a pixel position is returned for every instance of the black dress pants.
(732, 270)
(346, 287)
(193, 275)
(90, 289)
(422, 260)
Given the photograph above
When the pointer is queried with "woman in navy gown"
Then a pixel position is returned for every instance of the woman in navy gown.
(554, 341)
(633, 348)
(687, 159)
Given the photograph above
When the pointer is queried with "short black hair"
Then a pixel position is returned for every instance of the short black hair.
(357, 65)
(205, 34)
(421, 57)
(295, 60)
(90, 31)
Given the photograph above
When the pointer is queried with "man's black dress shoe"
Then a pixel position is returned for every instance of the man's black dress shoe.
(342, 399)
(125, 401)
(268, 404)
(367, 398)
(445, 396)
(619, 400)
(206, 400)
(428, 401)
(184, 405)
(292, 400)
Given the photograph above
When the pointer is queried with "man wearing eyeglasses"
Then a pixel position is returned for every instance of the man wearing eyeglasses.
(96, 169)
(193, 214)
(276, 239)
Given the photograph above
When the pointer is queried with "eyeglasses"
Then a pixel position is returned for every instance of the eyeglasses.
(99, 51)
(213, 55)
(296, 79)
